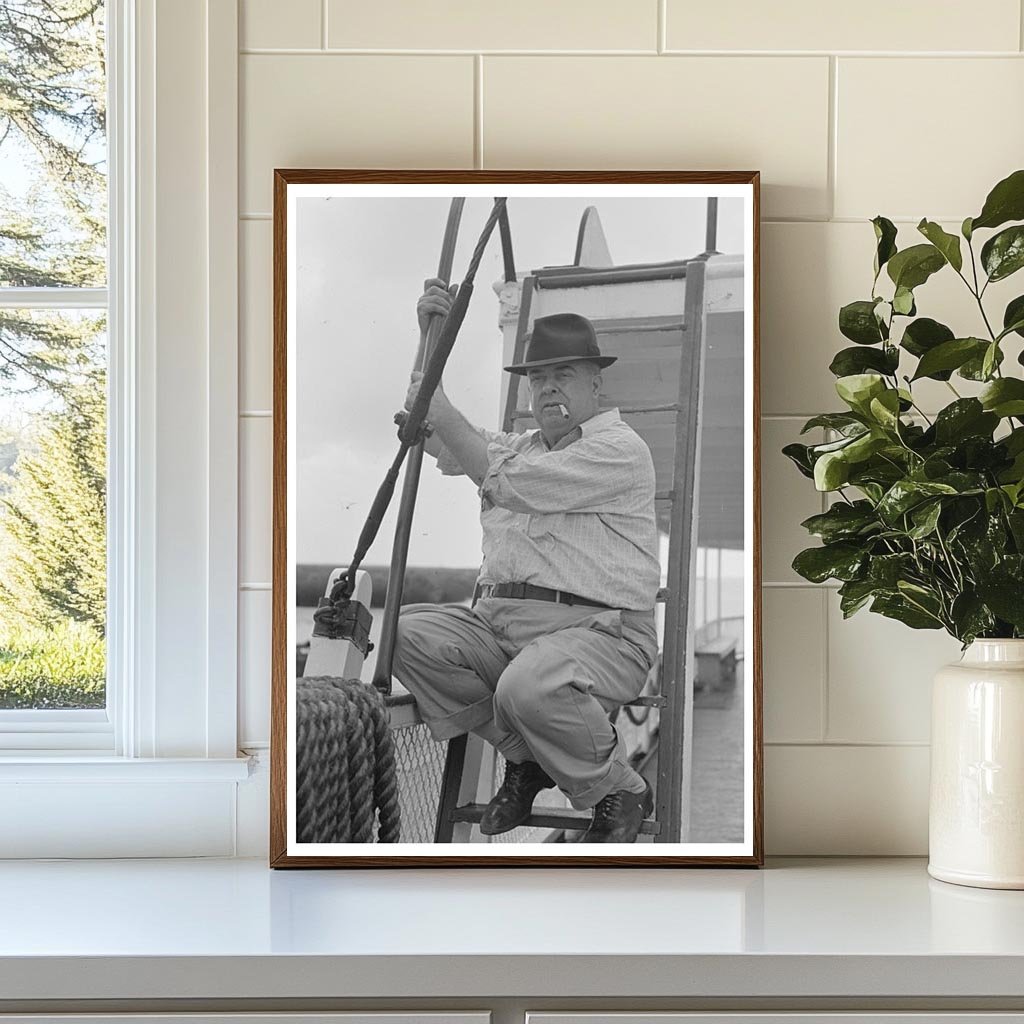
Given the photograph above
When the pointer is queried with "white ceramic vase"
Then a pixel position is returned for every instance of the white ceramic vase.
(976, 813)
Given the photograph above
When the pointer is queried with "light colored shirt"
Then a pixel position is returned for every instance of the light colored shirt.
(577, 517)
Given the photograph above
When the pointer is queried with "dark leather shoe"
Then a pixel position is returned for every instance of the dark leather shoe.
(512, 804)
(618, 817)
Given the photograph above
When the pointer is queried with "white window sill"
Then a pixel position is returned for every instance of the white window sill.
(205, 934)
(77, 766)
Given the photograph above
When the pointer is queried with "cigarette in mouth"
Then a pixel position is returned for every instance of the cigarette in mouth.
(565, 412)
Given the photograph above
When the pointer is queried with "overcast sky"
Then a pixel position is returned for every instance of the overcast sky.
(361, 265)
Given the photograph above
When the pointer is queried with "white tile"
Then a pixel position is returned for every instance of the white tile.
(846, 801)
(793, 638)
(271, 24)
(869, 25)
(805, 278)
(808, 272)
(351, 111)
(255, 508)
(471, 25)
(787, 499)
(961, 131)
(255, 320)
(880, 675)
(254, 626)
(693, 113)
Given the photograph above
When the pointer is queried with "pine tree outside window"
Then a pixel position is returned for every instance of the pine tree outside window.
(53, 366)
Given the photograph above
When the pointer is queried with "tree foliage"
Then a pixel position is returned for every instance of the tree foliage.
(53, 125)
(52, 235)
(928, 522)
(53, 520)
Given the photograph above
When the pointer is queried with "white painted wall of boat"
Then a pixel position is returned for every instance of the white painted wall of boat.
(799, 91)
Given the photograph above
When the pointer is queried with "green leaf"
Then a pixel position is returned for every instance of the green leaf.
(864, 446)
(840, 561)
(966, 417)
(843, 521)
(1014, 441)
(970, 617)
(994, 499)
(981, 537)
(990, 360)
(841, 421)
(880, 471)
(885, 409)
(831, 471)
(857, 321)
(854, 595)
(858, 389)
(1016, 522)
(925, 518)
(974, 368)
(964, 482)
(965, 228)
(923, 335)
(899, 608)
(906, 494)
(1015, 492)
(950, 355)
(850, 361)
(1005, 597)
(1003, 254)
(817, 450)
(887, 570)
(799, 455)
(947, 244)
(885, 236)
(913, 266)
(1004, 397)
(903, 302)
(1005, 202)
(1013, 317)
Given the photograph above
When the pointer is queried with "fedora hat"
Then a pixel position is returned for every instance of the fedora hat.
(561, 338)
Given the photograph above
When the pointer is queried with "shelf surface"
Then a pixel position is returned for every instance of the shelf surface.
(235, 929)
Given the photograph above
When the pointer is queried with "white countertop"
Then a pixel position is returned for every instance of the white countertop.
(235, 929)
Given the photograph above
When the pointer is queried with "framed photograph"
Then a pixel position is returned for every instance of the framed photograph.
(516, 609)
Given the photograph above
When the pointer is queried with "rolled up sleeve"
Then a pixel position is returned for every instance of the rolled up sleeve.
(591, 475)
(449, 465)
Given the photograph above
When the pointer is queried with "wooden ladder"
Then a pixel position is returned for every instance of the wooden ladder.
(654, 353)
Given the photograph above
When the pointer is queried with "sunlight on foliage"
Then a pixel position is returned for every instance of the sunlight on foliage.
(60, 667)
(53, 211)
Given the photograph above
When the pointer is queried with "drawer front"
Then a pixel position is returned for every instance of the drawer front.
(934, 1017)
(361, 1017)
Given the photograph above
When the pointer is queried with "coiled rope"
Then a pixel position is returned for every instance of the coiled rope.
(346, 787)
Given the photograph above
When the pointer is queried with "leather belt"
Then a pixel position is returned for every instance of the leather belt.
(529, 592)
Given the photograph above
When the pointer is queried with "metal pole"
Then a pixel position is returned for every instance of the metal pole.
(410, 485)
(711, 236)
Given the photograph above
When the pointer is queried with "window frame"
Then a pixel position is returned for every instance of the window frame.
(90, 729)
(172, 464)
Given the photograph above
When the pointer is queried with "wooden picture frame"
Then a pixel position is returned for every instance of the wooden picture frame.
(343, 244)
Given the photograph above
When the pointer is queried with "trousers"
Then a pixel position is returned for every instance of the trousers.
(535, 679)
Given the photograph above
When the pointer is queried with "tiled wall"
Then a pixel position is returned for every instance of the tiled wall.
(909, 110)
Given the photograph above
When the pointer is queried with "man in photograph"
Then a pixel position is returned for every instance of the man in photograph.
(562, 629)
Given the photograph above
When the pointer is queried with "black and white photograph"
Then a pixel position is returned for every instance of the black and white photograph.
(516, 571)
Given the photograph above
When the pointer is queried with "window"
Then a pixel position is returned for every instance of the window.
(53, 369)
(154, 766)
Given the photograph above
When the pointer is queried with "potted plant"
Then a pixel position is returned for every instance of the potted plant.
(926, 524)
